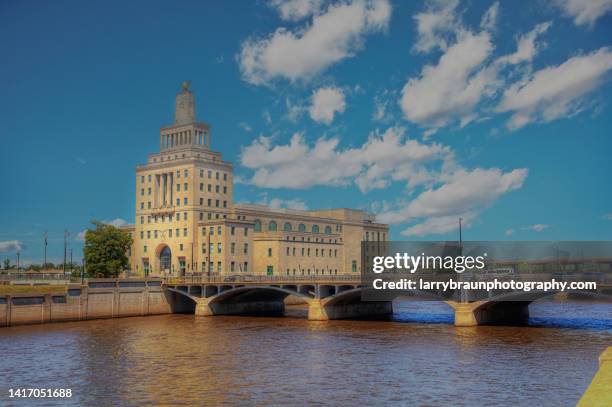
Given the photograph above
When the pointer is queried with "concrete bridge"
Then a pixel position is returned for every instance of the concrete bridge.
(327, 297)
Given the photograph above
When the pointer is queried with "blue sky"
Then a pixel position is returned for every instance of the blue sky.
(421, 112)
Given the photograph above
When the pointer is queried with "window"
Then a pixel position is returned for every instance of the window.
(185, 201)
(149, 191)
(225, 204)
(209, 173)
(224, 176)
(201, 173)
(185, 232)
(201, 186)
(219, 230)
(178, 187)
(185, 186)
(232, 248)
(155, 234)
(287, 227)
(328, 230)
(218, 267)
(257, 225)
(246, 248)
(217, 175)
(272, 226)
(232, 230)
(270, 270)
(246, 266)
(142, 178)
(209, 201)
(145, 249)
(302, 227)
(225, 190)
(178, 216)
(246, 231)
(203, 248)
(186, 173)
(354, 266)
(287, 251)
(148, 234)
(218, 247)
(141, 191)
(142, 205)
(170, 232)
(269, 252)
(217, 188)
(315, 228)
(232, 266)
(209, 188)
(149, 205)
(178, 201)
(141, 234)
(201, 203)
(216, 203)
(185, 216)
(142, 220)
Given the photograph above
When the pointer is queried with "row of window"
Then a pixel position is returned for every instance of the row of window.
(211, 231)
(145, 248)
(186, 174)
(316, 239)
(211, 248)
(287, 227)
(378, 236)
(306, 252)
(307, 272)
(156, 234)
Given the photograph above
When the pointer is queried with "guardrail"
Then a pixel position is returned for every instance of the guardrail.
(259, 279)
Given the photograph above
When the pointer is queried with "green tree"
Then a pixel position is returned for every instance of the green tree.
(106, 250)
(7, 264)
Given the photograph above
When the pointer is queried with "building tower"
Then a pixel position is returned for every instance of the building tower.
(186, 182)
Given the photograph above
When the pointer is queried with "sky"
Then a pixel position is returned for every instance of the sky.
(420, 112)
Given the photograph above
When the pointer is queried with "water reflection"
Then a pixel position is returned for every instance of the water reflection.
(418, 358)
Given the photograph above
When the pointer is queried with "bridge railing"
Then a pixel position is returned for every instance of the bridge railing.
(195, 279)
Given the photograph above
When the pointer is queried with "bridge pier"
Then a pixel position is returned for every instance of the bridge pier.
(490, 313)
(319, 310)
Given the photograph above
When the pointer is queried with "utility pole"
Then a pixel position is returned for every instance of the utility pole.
(46, 237)
(65, 248)
(18, 262)
(71, 261)
(83, 271)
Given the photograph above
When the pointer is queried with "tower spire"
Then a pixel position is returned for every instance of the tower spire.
(184, 112)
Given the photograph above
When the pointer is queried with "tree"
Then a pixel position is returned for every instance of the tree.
(7, 264)
(106, 250)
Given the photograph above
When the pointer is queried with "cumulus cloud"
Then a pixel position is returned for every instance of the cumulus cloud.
(526, 46)
(451, 89)
(118, 222)
(585, 12)
(294, 10)
(332, 36)
(81, 235)
(245, 126)
(556, 91)
(8, 246)
(325, 103)
(538, 227)
(462, 193)
(383, 158)
(489, 19)
(509, 232)
(436, 25)
(467, 78)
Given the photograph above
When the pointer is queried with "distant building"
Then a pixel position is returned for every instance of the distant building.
(187, 222)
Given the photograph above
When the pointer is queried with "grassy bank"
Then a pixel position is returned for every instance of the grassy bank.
(32, 289)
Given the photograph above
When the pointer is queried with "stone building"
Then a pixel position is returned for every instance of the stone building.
(186, 220)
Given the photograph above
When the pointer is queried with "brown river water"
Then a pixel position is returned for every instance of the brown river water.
(417, 359)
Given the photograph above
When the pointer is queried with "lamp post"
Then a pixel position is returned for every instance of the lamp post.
(45, 236)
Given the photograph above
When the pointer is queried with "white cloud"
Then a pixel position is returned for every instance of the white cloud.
(294, 10)
(382, 159)
(276, 203)
(332, 36)
(538, 227)
(8, 246)
(526, 46)
(245, 126)
(118, 222)
(81, 236)
(585, 12)
(463, 194)
(325, 103)
(509, 232)
(436, 25)
(451, 89)
(556, 91)
(266, 116)
(294, 110)
(489, 19)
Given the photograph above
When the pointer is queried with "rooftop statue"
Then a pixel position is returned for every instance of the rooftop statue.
(185, 86)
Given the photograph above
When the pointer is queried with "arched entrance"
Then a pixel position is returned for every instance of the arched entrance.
(165, 260)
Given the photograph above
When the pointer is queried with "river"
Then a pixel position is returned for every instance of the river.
(419, 358)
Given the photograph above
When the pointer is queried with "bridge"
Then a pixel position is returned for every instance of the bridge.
(328, 298)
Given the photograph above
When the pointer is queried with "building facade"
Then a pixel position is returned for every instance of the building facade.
(186, 221)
